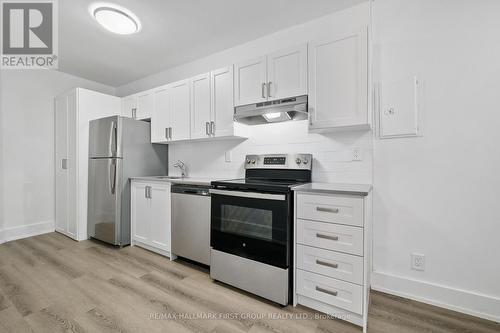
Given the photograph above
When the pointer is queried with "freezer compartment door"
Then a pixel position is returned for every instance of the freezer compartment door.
(105, 137)
(104, 199)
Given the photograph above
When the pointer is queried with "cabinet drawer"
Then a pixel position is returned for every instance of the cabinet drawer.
(331, 291)
(330, 236)
(330, 208)
(338, 265)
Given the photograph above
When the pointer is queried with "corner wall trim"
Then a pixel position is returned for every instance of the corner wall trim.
(27, 230)
(464, 301)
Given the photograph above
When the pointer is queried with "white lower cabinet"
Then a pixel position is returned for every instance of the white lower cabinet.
(151, 216)
(332, 254)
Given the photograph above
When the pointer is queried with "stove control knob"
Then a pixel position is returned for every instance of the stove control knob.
(298, 160)
(253, 161)
(305, 161)
(248, 161)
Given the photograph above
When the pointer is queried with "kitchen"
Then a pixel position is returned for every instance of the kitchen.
(290, 168)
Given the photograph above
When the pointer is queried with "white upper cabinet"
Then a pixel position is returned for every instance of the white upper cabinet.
(287, 73)
(200, 106)
(145, 103)
(278, 75)
(161, 116)
(129, 106)
(138, 106)
(338, 82)
(222, 102)
(180, 110)
(250, 81)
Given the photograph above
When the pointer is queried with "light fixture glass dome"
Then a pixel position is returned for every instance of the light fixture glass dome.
(115, 18)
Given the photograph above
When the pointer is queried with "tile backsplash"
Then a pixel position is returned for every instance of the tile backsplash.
(332, 152)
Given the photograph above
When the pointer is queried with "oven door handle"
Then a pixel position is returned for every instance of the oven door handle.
(253, 195)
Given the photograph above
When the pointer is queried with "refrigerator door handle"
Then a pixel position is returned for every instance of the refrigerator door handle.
(112, 176)
(115, 139)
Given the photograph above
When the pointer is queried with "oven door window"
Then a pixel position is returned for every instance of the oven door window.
(247, 221)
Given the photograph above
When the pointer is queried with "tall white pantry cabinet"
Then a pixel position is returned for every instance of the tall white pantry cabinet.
(73, 111)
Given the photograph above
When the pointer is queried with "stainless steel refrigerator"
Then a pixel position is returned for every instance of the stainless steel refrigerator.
(119, 148)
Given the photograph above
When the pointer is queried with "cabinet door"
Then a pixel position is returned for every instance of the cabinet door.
(250, 81)
(222, 101)
(160, 217)
(145, 102)
(200, 106)
(160, 118)
(129, 106)
(338, 81)
(180, 110)
(287, 73)
(141, 213)
(61, 163)
(72, 217)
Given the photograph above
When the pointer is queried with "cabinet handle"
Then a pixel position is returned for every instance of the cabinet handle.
(134, 113)
(170, 133)
(328, 264)
(212, 128)
(334, 238)
(207, 128)
(263, 90)
(146, 192)
(269, 89)
(327, 210)
(311, 116)
(166, 133)
(64, 163)
(326, 291)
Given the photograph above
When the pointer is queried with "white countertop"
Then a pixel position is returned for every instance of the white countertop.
(185, 180)
(341, 188)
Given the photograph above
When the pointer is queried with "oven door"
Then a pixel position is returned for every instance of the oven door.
(253, 225)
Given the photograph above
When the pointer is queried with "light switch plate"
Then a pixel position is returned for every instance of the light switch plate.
(228, 156)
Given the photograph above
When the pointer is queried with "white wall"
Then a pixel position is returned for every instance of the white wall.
(27, 134)
(438, 195)
(332, 152)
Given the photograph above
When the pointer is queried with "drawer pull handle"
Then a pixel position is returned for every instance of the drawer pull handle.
(327, 210)
(326, 291)
(334, 238)
(328, 264)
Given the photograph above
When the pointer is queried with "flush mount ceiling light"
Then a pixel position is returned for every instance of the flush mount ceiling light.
(115, 18)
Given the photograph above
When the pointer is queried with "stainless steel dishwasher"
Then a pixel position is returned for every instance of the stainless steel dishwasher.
(191, 222)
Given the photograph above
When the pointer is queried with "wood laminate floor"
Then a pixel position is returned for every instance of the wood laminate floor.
(50, 283)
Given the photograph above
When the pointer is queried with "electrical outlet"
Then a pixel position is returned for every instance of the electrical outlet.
(356, 154)
(418, 262)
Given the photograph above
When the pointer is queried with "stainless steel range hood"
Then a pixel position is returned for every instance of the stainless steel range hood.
(294, 108)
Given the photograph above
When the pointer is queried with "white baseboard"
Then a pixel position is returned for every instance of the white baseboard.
(28, 230)
(478, 305)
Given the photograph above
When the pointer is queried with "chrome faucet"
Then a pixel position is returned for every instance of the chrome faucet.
(182, 166)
